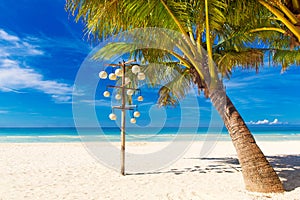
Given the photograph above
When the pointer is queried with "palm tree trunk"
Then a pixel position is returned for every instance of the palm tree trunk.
(259, 176)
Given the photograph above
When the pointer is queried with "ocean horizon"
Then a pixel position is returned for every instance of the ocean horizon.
(147, 134)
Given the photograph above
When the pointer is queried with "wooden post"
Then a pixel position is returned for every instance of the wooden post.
(123, 111)
(123, 121)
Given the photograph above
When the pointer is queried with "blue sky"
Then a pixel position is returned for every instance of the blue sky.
(42, 48)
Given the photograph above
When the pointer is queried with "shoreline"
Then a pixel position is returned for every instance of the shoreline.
(60, 138)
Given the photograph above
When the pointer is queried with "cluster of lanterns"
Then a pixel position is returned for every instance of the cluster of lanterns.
(129, 92)
(119, 73)
(136, 114)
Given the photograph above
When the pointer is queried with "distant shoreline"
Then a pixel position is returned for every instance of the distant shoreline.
(139, 134)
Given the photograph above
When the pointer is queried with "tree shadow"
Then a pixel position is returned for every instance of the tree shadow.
(286, 166)
(230, 166)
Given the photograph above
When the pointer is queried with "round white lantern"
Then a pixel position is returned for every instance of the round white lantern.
(112, 116)
(106, 93)
(130, 92)
(119, 72)
(103, 74)
(136, 114)
(135, 69)
(118, 97)
(140, 98)
(141, 76)
(112, 77)
(133, 120)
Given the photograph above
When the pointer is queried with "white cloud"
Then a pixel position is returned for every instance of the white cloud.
(7, 62)
(15, 46)
(60, 98)
(100, 102)
(259, 122)
(266, 122)
(16, 76)
(31, 49)
(5, 36)
(276, 121)
(3, 111)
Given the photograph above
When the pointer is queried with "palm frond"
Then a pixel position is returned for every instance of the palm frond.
(166, 97)
(286, 58)
(176, 89)
(101, 18)
(113, 49)
(162, 73)
(231, 27)
(227, 60)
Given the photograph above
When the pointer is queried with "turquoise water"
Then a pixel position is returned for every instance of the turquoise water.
(29, 135)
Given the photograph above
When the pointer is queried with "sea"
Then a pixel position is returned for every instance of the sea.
(146, 134)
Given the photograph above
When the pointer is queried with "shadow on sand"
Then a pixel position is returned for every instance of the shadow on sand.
(218, 166)
(286, 166)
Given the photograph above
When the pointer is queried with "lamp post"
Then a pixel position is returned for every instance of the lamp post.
(121, 72)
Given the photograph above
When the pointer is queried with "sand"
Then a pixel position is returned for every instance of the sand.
(69, 171)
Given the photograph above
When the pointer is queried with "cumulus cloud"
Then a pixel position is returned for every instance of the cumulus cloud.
(276, 121)
(266, 122)
(16, 76)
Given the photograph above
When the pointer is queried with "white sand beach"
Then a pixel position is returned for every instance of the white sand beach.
(68, 171)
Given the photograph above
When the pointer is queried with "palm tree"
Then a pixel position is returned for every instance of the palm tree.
(213, 25)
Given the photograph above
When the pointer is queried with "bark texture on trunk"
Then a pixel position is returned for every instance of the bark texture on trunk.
(259, 176)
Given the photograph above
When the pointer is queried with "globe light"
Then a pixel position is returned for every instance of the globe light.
(135, 69)
(133, 120)
(106, 94)
(127, 80)
(103, 74)
(136, 114)
(140, 98)
(118, 97)
(119, 72)
(112, 76)
(141, 76)
(130, 92)
(112, 116)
